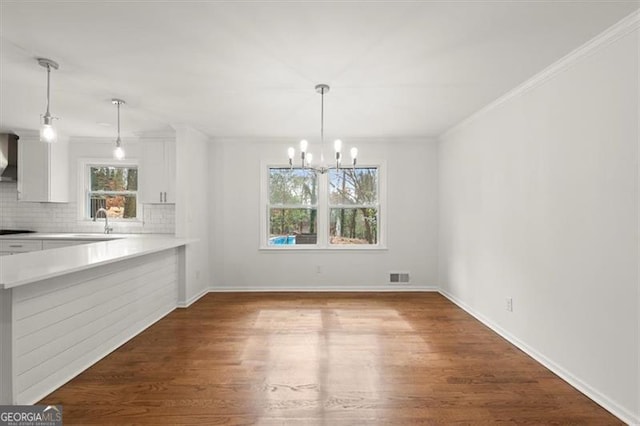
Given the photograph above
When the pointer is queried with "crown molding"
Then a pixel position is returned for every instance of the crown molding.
(627, 25)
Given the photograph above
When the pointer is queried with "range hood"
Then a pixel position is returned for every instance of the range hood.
(8, 157)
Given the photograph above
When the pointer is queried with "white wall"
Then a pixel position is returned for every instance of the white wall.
(64, 217)
(539, 202)
(235, 234)
(192, 210)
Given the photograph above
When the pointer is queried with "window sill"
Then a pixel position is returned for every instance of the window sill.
(319, 249)
(123, 221)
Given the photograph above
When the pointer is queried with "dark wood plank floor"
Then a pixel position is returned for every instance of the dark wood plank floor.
(321, 359)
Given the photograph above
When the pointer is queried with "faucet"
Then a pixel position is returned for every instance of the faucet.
(107, 228)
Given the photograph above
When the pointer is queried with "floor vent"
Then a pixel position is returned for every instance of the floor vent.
(399, 277)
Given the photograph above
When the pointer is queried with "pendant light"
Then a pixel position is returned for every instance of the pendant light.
(48, 133)
(306, 157)
(118, 152)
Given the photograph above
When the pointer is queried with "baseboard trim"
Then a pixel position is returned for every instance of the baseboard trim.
(192, 299)
(307, 289)
(606, 403)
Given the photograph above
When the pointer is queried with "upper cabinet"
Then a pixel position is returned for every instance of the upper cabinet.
(158, 171)
(43, 170)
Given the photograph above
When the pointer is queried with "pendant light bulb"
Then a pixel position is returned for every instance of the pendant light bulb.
(118, 152)
(354, 153)
(48, 133)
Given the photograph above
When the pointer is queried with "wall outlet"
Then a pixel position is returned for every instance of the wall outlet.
(509, 304)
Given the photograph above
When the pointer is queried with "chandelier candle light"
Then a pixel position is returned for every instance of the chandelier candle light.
(48, 133)
(306, 157)
(118, 152)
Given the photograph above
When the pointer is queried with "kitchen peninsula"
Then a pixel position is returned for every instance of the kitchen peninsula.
(62, 310)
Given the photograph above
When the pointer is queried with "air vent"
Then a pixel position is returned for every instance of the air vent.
(398, 277)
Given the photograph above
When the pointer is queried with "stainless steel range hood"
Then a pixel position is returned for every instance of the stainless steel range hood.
(8, 157)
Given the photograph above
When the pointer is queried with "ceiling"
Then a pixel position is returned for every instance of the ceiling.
(248, 69)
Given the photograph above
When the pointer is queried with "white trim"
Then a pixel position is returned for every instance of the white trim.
(306, 248)
(610, 35)
(338, 289)
(192, 299)
(84, 185)
(594, 394)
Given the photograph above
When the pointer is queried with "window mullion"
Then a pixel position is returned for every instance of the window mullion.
(323, 210)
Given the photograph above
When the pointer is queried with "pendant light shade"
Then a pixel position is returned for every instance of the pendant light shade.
(118, 152)
(48, 133)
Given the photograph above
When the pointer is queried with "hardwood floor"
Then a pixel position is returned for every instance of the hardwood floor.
(321, 359)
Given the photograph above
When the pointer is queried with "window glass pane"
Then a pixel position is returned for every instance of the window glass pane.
(117, 206)
(292, 226)
(353, 226)
(293, 186)
(107, 178)
(353, 186)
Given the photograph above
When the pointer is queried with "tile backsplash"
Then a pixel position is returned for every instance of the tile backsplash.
(63, 217)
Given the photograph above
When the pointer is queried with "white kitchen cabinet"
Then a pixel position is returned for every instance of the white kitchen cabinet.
(157, 172)
(43, 170)
(15, 246)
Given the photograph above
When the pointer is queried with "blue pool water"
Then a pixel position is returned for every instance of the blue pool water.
(285, 239)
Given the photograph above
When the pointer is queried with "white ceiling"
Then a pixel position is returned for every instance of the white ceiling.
(396, 69)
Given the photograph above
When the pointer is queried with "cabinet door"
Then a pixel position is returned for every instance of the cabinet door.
(151, 174)
(43, 172)
(157, 172)
(170, 171)
(20, 246)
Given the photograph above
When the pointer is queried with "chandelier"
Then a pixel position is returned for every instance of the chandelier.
(306, 157)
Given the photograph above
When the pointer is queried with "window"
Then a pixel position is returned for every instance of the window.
(353, 205)
(293, 206)
(113, 188)
(307, 209)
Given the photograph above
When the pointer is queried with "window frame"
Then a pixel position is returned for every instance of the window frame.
(84, 170)
(323, 214)
(354, 206)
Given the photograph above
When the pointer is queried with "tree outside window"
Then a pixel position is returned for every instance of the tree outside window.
(343, 203)
(113, 188)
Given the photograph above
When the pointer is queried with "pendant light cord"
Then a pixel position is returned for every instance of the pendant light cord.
(118, 141)
(48, 114)
(322, 125)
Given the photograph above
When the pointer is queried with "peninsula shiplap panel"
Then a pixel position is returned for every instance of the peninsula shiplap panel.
(86, 319)
(82, 304)
(6, 380)
(85, 326)
(64, 291)
(65, 326)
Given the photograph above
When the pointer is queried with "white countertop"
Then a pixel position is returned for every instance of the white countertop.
(25, 268)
